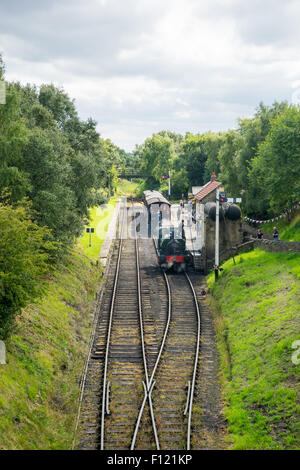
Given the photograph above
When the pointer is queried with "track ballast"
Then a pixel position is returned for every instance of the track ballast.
(135, 401)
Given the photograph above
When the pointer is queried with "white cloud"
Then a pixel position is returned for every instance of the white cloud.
(141, 66)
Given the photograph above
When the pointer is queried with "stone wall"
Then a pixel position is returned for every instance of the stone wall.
(267, 245)
(211, 197)
(276, 247)
(252, 231)
(230, 235)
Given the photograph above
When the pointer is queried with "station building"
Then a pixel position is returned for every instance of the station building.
(230, 229)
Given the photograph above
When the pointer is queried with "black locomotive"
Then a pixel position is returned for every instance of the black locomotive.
(172, 252)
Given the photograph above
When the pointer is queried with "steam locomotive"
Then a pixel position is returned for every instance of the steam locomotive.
(172, 251)
(171, 242)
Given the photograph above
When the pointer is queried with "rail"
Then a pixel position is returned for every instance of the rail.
(112, 305)
(85, 370)
(150, 383)
(192, 387)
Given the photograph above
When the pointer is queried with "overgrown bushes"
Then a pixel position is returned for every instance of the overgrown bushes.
(25, 249)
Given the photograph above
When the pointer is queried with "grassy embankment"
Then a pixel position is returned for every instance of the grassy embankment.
(101, 217)
(288, 230)
(257, 315)
(45, 356)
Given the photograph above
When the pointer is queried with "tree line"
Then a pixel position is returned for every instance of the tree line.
(258, 161)
(53, 168)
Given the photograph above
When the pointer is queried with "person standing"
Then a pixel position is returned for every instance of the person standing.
(275, 234)
(259, 234)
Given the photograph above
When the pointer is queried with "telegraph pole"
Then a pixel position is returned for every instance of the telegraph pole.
(169, 183)
(216, 267)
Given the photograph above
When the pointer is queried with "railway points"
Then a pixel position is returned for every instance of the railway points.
(142, 374)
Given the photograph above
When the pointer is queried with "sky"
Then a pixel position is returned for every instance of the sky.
(141, 66)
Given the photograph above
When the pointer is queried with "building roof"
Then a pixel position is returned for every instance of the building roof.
(212, 185)
(196, 189)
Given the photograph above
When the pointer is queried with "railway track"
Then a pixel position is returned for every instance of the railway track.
(176, 376)
(143, 363)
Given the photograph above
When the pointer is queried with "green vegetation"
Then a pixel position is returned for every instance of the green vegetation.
(127, 188)
(259, 160)
(289, 231)
(62, 167)
(275, 170)
(53, 168)
(45, 356)
(49, 155)
(257, 307)
(100, 218)
(24, 258)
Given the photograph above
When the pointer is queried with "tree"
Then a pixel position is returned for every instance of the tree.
(157, 155)
(193, 157)
(48, 154)
(212, 144)
(179, 183)
(58, 102)
(228, 162)
(24, 255)
(13, 138)
(276, 166)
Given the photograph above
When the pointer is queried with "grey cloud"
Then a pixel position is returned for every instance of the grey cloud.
(71, 30)
(269, 22)
(77, 42)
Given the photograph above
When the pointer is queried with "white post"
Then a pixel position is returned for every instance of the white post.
(217, 228)
(2, 353)
(169, 183)
(202, 218)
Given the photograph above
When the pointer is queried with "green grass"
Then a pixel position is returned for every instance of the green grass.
(100, 218)
(45, 356)
(288, 230)
(127, 188)
(257, 316)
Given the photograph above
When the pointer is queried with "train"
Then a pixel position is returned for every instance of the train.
(171, 242)
(172, 252)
